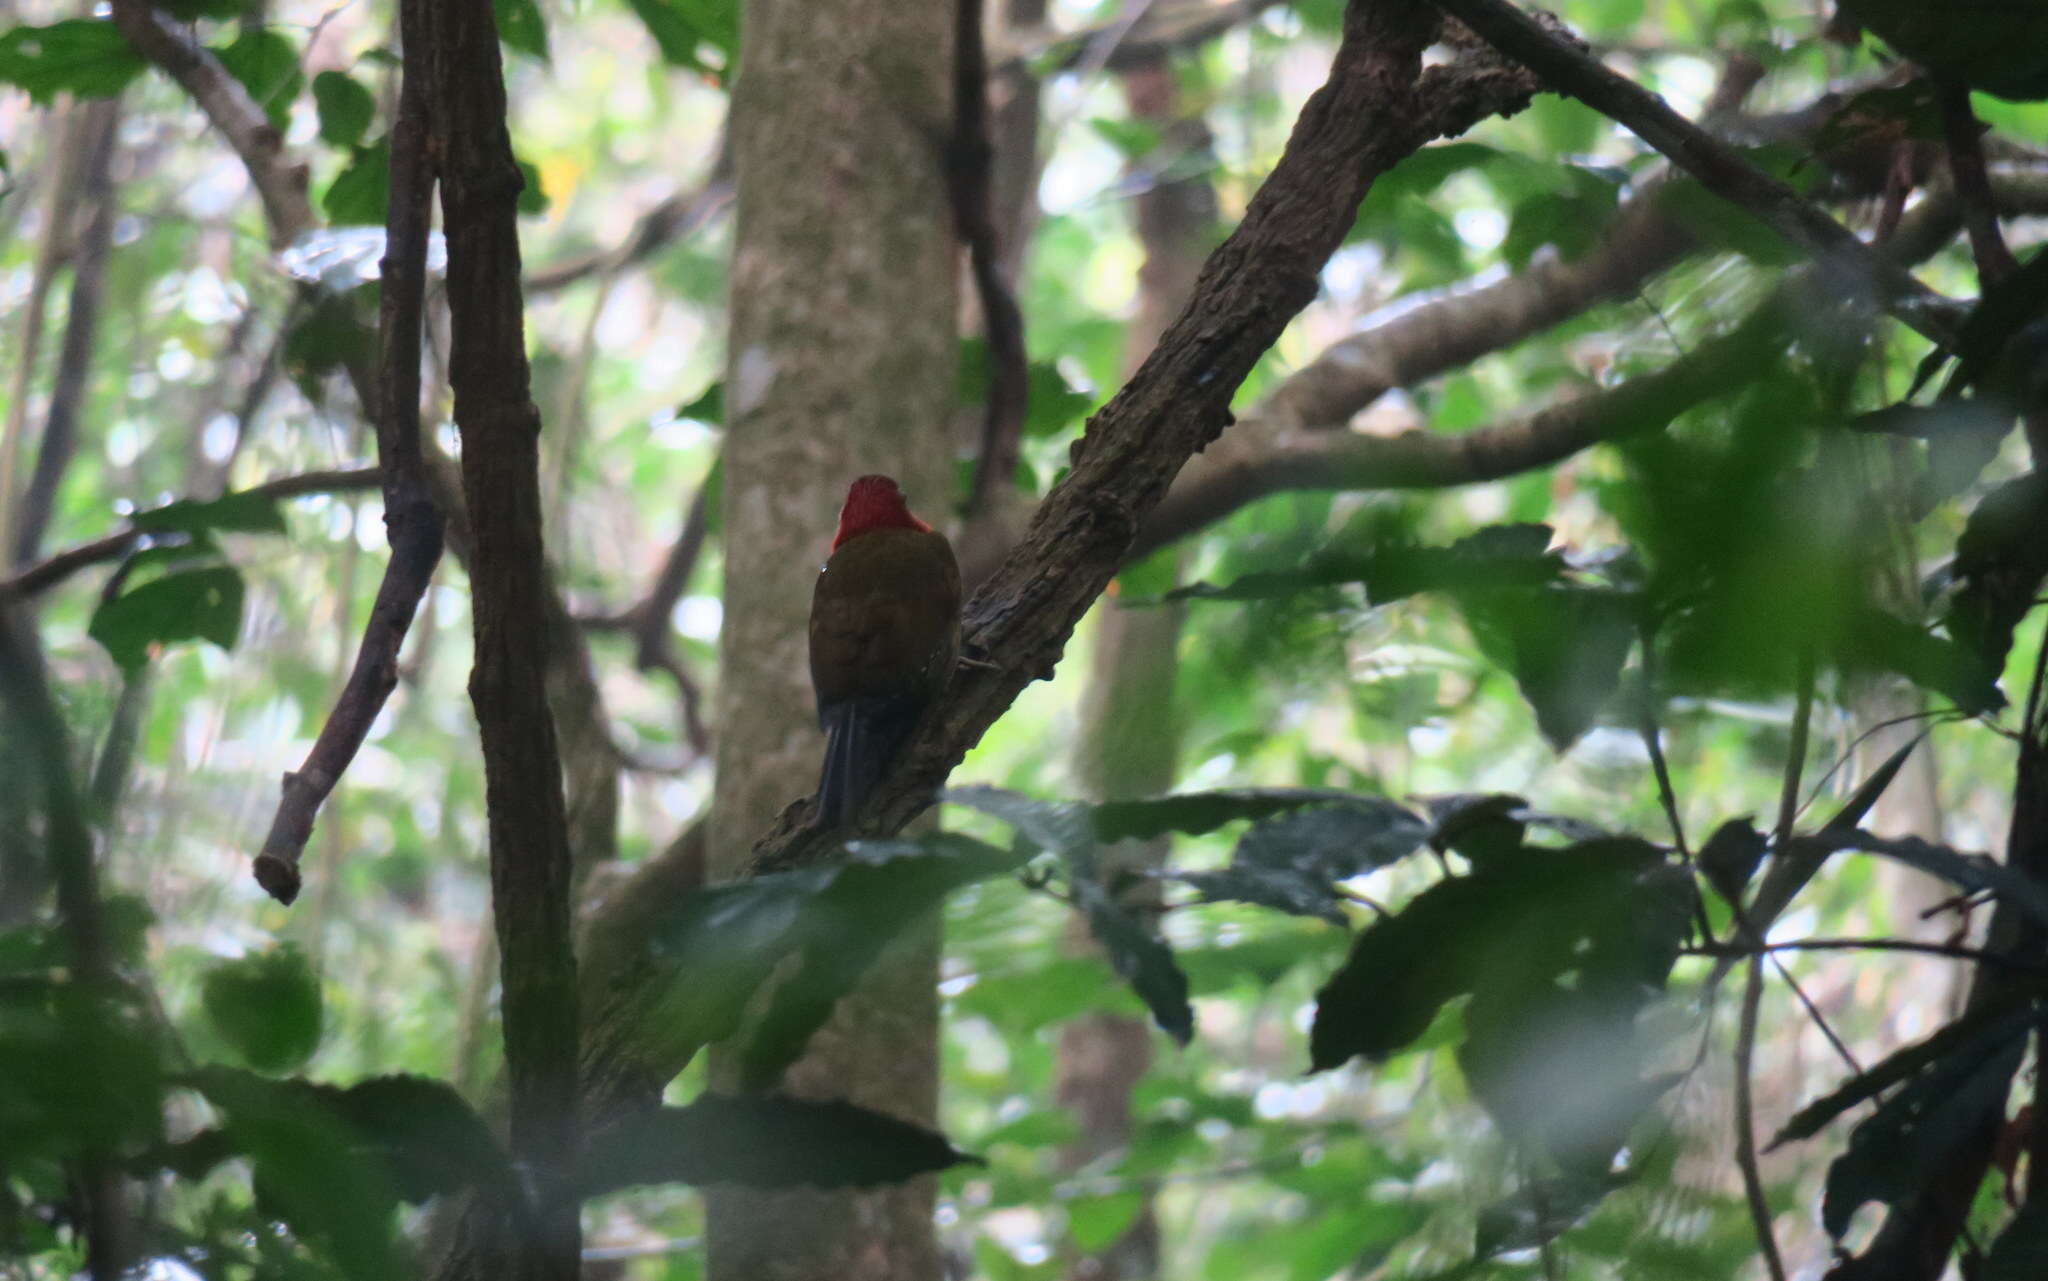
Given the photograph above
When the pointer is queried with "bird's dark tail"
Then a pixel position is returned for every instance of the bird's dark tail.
(862, 739)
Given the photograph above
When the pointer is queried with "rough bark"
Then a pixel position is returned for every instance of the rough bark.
(841, 362)
(456, 41)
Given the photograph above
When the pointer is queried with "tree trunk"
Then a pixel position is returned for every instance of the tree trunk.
(840, 362)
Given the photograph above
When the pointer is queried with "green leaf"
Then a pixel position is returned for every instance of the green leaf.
(763, 1142)
(1137, 954)
(1194, 813)
(84, 57)
(1067, 829)
(1499, 556)
(880, 891)
(359, 194)
(1291, 862)
(333, 1163)
(345, 107)
(194, 604)
(241, 513)
(267, 64)
(533, 199)
(1730, 857)
(1134, 139)
(267, 1007)
(521, 27)
(725, 941)
(681, 28)
(1721, 225)
(1564, 646)
(2001, 561)
(1512, 923)
(1095, 1223)
(708, 407)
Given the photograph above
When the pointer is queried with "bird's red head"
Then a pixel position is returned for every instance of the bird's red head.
(874, 502)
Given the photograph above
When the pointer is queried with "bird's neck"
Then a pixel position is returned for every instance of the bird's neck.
(853, 522)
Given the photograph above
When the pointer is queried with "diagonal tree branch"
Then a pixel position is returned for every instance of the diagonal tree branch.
(1568, 70)
(280, 180)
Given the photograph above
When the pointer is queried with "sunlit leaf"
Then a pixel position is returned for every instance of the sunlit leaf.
(194, 604)
(86, 57)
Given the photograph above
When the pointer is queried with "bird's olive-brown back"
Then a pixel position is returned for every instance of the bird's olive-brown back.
(885, 617)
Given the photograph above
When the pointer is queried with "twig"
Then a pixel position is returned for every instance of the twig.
(969, 170)
(47, 574)
(411, 521)
(1952, 951)
(1718, 167)
(676, 218)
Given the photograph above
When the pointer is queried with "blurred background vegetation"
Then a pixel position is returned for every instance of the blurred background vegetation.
(168, 338)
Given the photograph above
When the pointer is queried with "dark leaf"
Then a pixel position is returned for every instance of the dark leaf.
(521, 27)
(1513, 922)
(85, 57)
(1285, 889)
(1564, 646)
(1970, 1032)
(2001, 560)
(723, 942)
(346, 108)
(1867, 793)
(1137, 954)
(1336, 841)
(195, 604)
(1899, 1149)
(1875, 639)
(878, 893)
(1197, 812)
(267, 64)
(431, 1142)
(1730, 857)
(1483, 828)
(267, 1007)
(763, 1142)
(1994, 45)
(1054, 827)
(323, 338)
(1499, 556)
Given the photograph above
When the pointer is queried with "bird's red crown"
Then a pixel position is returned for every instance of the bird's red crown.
(872, 503)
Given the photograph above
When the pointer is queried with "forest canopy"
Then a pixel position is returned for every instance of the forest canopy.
(1495, 721)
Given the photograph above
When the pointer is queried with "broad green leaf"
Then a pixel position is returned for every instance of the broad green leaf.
(267, 1007)
(267, 64)
(85, 57)
(1194, 813)
(345, 107)
(359, 194)
(1564, 646)
(521, 27)
(194, 604)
